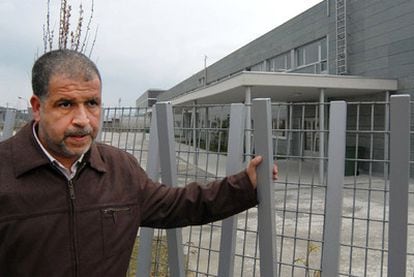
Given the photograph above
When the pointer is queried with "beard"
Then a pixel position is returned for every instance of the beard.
(68, 150)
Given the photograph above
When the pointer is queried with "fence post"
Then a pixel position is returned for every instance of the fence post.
(335, 181)
(147, 234)
(234, 164)
(9, 124)
(399, 177)
(262, 119)
(169, 176)
(101, 126)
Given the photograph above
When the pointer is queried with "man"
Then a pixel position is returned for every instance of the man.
(72, 207)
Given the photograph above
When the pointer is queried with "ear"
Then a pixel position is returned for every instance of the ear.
(36, 103)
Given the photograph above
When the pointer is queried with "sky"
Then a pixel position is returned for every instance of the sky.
(140, 44)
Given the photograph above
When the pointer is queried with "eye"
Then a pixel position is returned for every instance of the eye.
(65, 104)
(92, 103)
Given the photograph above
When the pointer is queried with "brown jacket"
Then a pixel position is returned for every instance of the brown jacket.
(47, 231)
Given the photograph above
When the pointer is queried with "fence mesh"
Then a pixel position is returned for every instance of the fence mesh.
(365, 206)
(300, 147)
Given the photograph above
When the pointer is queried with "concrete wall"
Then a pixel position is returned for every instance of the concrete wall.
(381, 41)
(381, 45)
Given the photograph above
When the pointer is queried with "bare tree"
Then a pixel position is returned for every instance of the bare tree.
(75, 39)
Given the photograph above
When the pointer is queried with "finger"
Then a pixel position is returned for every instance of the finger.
(256, 160)
(275, 172)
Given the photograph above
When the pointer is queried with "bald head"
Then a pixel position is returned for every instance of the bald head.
(65, 62)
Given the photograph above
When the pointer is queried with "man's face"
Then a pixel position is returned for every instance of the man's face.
(68, 117)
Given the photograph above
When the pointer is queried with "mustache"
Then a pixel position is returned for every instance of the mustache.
(87, 131)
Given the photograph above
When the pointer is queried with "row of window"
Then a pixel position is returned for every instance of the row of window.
(308, 58)
(314, 53)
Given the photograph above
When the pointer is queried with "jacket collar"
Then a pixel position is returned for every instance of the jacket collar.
(27, 154)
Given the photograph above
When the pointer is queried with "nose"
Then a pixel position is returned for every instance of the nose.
(80, 117)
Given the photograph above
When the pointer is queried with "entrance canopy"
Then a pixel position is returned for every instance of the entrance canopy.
(284, 87)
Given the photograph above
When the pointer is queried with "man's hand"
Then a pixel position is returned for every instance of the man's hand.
(251, 170)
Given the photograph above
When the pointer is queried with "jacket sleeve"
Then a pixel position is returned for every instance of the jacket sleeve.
(163, 206)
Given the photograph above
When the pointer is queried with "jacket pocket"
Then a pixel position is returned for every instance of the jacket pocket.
(118, 229)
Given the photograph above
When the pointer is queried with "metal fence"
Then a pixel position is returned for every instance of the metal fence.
(343, 203)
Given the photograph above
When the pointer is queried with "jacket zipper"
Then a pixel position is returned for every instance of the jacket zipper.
(73, 225)
(71, 191)
(73, 217)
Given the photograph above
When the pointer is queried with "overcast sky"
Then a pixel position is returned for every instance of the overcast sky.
(141, 44)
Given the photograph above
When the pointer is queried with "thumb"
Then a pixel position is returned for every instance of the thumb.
(251, 169)
(256, 161)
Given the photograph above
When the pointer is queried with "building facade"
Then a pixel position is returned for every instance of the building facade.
(353, 50)
(370, 38)
(148, 98)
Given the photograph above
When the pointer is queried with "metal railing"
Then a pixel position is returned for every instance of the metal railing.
(343, 203)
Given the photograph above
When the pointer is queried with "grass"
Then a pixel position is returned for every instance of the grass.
(159, 264)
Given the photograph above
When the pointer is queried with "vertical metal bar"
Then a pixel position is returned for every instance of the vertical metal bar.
(169, 176)
(128, 128)
(262, 118)
(147, 114)
(321, 134)
(304, 133)
(105, 127)
(147, 234)
(120, 127)
(101, 125)
(335, 181)
(386, 135)
(113, 129)
(234, 163)
(386, 176)
(248, 137)
(194, 118)
(399, 175)
(9, 124)
(355, 190)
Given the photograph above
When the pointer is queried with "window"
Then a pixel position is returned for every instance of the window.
(313, 53)
(279, 63)
(288, 61)
(311, 139)
(300, 56)
(324, 66)
(324, 49)
(279, 121)
(310, 58)
(279, 126)
(257, 67)
(201, 81)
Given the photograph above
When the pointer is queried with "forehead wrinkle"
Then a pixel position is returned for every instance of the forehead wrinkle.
(64, 83)
(75, 95)
(78, 97)
(75, 76)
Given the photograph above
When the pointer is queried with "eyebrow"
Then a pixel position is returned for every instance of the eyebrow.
(72, 99)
